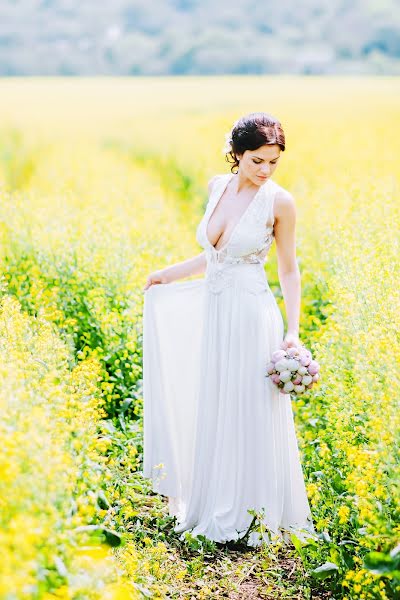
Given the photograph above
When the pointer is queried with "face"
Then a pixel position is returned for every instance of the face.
(259, 165)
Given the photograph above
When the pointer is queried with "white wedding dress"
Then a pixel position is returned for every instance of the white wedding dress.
(219, 437)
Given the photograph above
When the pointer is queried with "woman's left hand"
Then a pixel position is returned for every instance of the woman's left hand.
(291, 340)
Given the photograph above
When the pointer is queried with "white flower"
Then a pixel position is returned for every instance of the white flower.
(285, 376)
(293, 364)
(288, 387)
(228, 139)
(282, 365)
(299, 388)
(228, 143)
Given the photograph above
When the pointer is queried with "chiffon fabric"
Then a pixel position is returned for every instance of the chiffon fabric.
(219, 437)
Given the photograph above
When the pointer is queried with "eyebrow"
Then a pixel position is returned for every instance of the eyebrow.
(259, 157)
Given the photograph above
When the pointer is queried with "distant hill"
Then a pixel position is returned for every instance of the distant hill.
(179, 37)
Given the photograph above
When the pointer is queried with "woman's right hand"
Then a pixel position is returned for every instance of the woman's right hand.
(155, 278)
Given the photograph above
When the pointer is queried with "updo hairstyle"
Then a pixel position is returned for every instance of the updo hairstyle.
(249, 133)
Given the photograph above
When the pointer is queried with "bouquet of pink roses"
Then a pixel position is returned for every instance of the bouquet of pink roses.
(293, 370)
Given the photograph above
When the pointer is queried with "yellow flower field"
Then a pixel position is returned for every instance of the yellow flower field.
(104, 180)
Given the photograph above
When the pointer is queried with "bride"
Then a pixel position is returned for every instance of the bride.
(219, 437)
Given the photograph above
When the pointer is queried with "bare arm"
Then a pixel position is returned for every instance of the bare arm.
(288, 269)
(186, 268)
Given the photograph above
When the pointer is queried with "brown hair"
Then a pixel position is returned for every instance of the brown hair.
(252, 131)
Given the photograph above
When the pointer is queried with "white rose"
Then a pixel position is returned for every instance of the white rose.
(299, 388)
(285, 376)
(281, 365)
(293, 364)
(292, 351)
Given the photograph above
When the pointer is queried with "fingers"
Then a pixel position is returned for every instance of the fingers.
(290, 342)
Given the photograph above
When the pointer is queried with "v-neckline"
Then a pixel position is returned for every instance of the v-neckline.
(237, 222)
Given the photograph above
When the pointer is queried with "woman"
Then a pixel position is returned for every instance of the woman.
(219, 437)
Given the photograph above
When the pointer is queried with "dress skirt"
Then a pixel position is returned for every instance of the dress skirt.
(219, 437)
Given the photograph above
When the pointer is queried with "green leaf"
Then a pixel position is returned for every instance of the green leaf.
(102, 500)
(297, 543)
(325, 537)
(325, 570)
(112, 537)
(395, 552)
(380, 563)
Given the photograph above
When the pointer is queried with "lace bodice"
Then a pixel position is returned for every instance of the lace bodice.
(253, 234)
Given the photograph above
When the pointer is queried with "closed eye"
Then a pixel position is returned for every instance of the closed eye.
(257, 163)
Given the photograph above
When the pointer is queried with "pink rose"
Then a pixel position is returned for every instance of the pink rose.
(278, 355)
(313, 367)
(270, 368)
(292, 351)
(305, 359)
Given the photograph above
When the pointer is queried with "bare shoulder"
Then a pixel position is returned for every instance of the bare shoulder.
(212, 181)
(284, 203)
